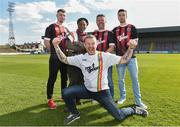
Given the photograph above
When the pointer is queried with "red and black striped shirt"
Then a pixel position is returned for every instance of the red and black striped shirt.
(54, 30)
(123, 35)
(104, 39)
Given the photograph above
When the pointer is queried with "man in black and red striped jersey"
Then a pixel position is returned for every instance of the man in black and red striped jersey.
(76, 47)
(124, 33)
(105, 43)
(52, 31)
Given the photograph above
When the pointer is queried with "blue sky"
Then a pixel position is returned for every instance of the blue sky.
(31, 17)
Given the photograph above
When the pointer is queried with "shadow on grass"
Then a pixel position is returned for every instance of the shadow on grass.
(40, 115)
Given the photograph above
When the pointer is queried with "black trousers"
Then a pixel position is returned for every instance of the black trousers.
(75, 75)
(54, 66)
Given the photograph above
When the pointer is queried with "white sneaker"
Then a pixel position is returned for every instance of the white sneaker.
(142, 105)
(94, 101)
(121, 101)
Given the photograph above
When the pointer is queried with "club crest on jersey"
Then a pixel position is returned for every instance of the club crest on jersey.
(129, 29)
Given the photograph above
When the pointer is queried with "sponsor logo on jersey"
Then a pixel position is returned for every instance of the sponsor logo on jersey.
(122, 37)
(91, 68)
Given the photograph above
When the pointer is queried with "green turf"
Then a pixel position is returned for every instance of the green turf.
(23, 93)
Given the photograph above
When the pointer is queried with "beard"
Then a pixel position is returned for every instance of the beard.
(61, 20)
(91, 51)
(122, 21)
(101, 26)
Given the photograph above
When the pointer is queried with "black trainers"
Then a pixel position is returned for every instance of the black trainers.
(71, 118)
(140, 111)
(78, 102)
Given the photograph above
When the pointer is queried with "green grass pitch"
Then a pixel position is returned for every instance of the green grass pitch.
(23, 93)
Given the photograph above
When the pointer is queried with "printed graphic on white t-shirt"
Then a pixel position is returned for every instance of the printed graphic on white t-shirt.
(94, 68)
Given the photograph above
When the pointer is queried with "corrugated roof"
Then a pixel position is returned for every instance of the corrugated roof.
(159, 29)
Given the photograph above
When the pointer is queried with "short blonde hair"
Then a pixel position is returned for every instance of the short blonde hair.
(89, 36)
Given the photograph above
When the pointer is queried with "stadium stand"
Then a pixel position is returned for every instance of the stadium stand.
(7, 49)
(151, 40)
(33, 48)
(159, 40)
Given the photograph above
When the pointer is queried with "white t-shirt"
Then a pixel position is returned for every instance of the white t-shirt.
(94, 68)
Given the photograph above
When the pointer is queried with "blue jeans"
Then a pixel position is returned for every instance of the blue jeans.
(133, 70)
(103, 97)
(110, 81)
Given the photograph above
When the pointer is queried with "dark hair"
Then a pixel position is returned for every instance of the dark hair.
(61, 10)
(122, 10)
(81, 19)
(100, 15)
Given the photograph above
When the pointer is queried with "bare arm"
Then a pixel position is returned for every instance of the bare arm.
(110, 49)
(47, 44)
(127, 56)
(62, 57)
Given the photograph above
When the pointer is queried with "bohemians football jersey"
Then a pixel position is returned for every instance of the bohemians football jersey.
(104, 38)
(94, 68)
(123, 35)
(76, 44)
(55, 30)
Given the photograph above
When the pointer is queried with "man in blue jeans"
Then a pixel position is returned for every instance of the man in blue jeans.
(106, 43)
(94, 66)
(124, 33)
